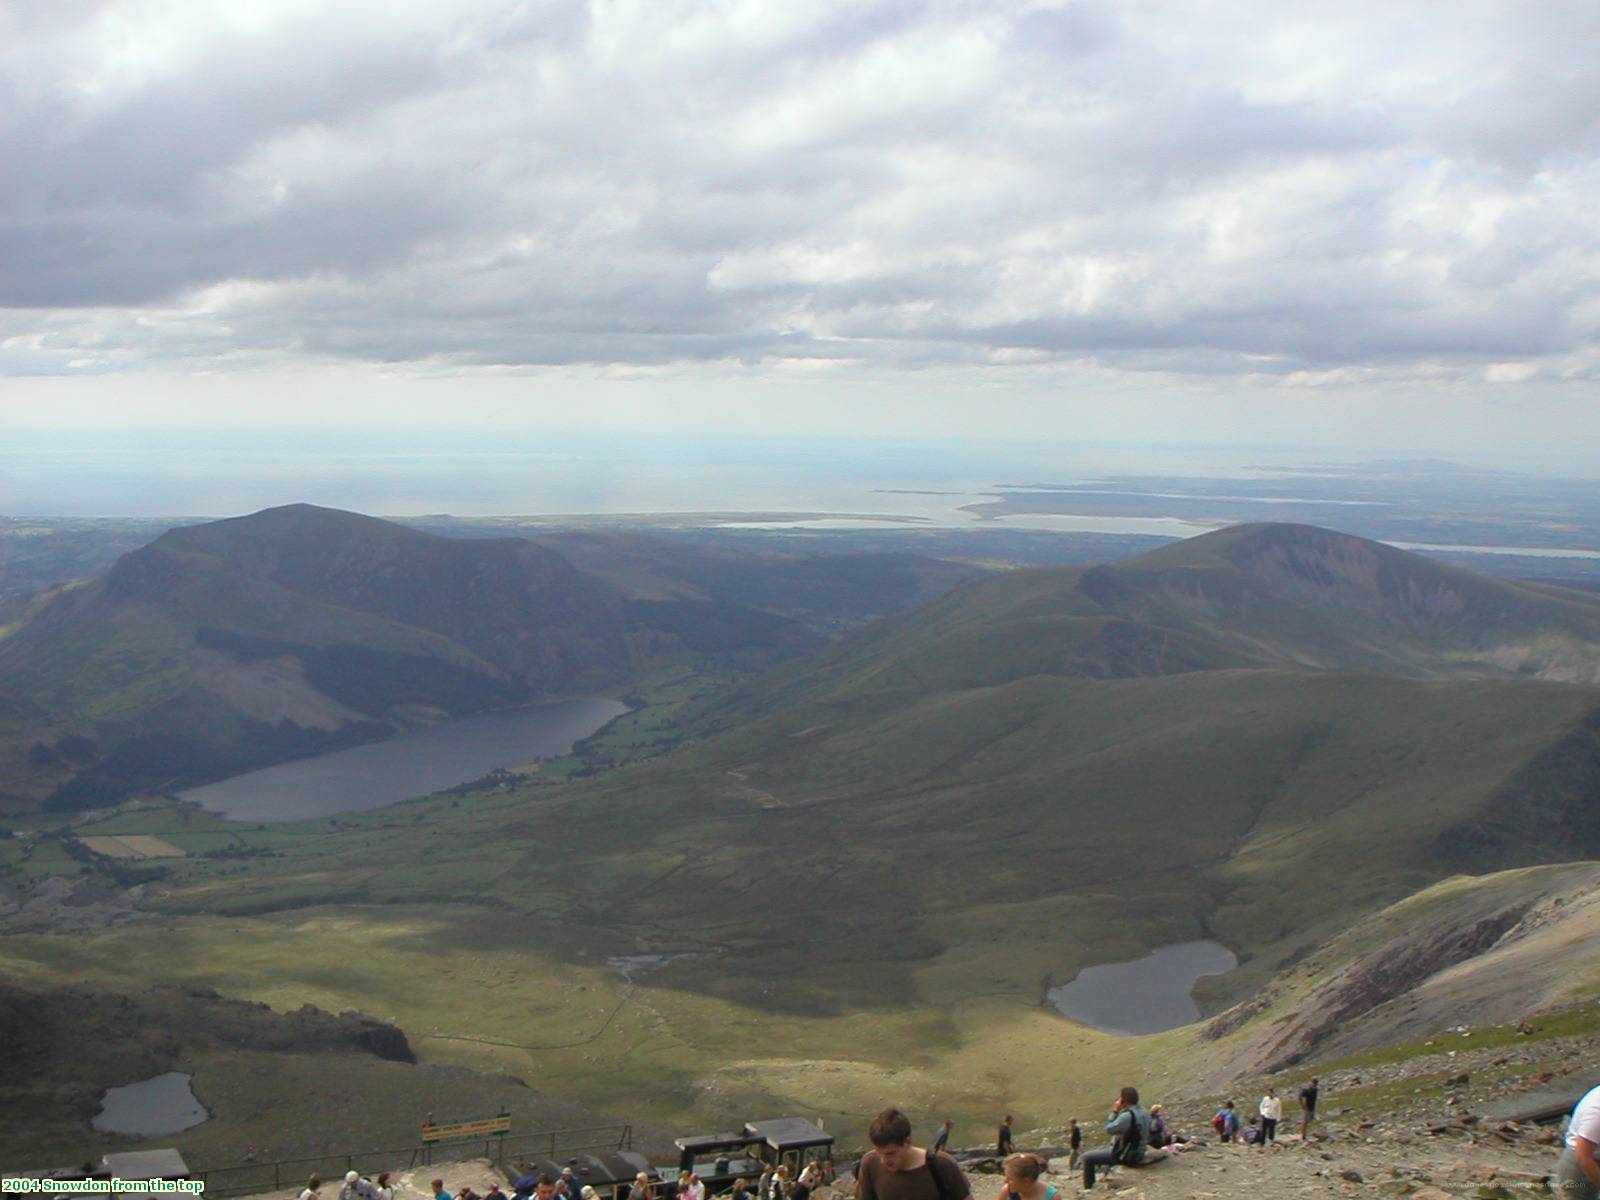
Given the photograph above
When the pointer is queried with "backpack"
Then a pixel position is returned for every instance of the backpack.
(1220, 1124)
(1129, 1147)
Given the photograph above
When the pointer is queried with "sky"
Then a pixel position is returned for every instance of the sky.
(1320, 223)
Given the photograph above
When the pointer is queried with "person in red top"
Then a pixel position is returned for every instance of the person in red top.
(897, 1170)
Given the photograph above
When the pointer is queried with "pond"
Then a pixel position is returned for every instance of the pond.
(413, 764)
(1147, 995)
(162, 1105)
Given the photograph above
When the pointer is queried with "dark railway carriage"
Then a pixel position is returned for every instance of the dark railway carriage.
(721, 1158)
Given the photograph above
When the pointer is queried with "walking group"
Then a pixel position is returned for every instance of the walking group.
(1263, 1127)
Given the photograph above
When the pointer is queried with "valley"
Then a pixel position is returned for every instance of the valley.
(860, 871)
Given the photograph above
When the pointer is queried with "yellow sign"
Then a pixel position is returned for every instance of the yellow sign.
(462, 1129)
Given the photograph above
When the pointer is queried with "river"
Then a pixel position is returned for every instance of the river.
(413, 764)
(1147, 995)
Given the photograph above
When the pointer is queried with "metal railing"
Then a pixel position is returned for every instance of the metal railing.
(243, 1178)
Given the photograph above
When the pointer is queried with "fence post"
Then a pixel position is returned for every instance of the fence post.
(275, 1184)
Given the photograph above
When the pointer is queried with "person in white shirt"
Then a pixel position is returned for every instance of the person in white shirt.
(1577, 1172)
(1271, 1113)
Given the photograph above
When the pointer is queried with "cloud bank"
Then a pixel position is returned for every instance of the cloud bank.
(1364, 193)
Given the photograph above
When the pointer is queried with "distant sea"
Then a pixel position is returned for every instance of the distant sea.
(214, 474)
(832, 483)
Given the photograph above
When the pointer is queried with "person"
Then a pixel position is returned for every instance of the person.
(764, 1186)
(1577, 1170)
(312, 1188)
(1074, 1144)
(1271, 1114)
(741, 1189)
(802, 1186)
(641, 1187)
(545, 1189)
(1022, 1173)
(1129, 1127)
(942, 1142)
(382, 1188)
(494, 1193)
(780, 1182)
(438, 1190)
(568, 1184)
(895, 1169)
(1226, 1123)
(1004, 1143)
(1252, 1131)
(1308, 1107)
(697, 1189)
(356, 1188)
(1158, 1128)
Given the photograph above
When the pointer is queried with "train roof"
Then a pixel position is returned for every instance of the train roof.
(781, 1133)
(790, 1133)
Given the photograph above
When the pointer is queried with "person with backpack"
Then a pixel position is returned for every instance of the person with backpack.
(1226, 1123)
(894, 1169)
(1129, 1127)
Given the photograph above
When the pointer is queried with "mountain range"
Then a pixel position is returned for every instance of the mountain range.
(1373, 777)
(223, 646)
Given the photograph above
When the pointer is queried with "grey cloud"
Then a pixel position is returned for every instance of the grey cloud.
(892, 184)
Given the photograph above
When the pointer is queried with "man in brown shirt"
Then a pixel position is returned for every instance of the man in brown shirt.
(897, 1170)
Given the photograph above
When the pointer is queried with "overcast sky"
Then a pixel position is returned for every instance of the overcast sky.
(1114, 219)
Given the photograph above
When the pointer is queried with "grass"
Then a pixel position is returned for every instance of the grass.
(1583, 1020)
(674, 1055)
(873, 876)
(949, 856)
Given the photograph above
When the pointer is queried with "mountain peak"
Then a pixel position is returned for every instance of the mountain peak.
(304, 523)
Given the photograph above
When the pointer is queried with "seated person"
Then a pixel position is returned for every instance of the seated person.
(1129, 1127)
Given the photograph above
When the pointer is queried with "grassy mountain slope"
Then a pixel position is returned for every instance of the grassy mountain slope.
(1267, 806)
(286, 632)
(935, 821)
(1250, 596)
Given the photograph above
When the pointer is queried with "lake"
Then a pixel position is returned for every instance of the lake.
(413, 764)
(1147, 995)
(164, 1104)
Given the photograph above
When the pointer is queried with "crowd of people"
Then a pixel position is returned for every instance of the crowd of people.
(897, 1169)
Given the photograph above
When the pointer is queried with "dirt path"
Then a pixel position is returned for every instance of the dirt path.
(1343, 1161)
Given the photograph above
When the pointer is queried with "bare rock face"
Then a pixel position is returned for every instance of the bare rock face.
(1483, 950)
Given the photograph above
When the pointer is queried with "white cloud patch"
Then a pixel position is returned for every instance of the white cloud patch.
(1314, 192)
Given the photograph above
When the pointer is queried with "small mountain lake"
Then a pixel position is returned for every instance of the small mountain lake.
(1147, 995)
(164, 1104)
(413, 764)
